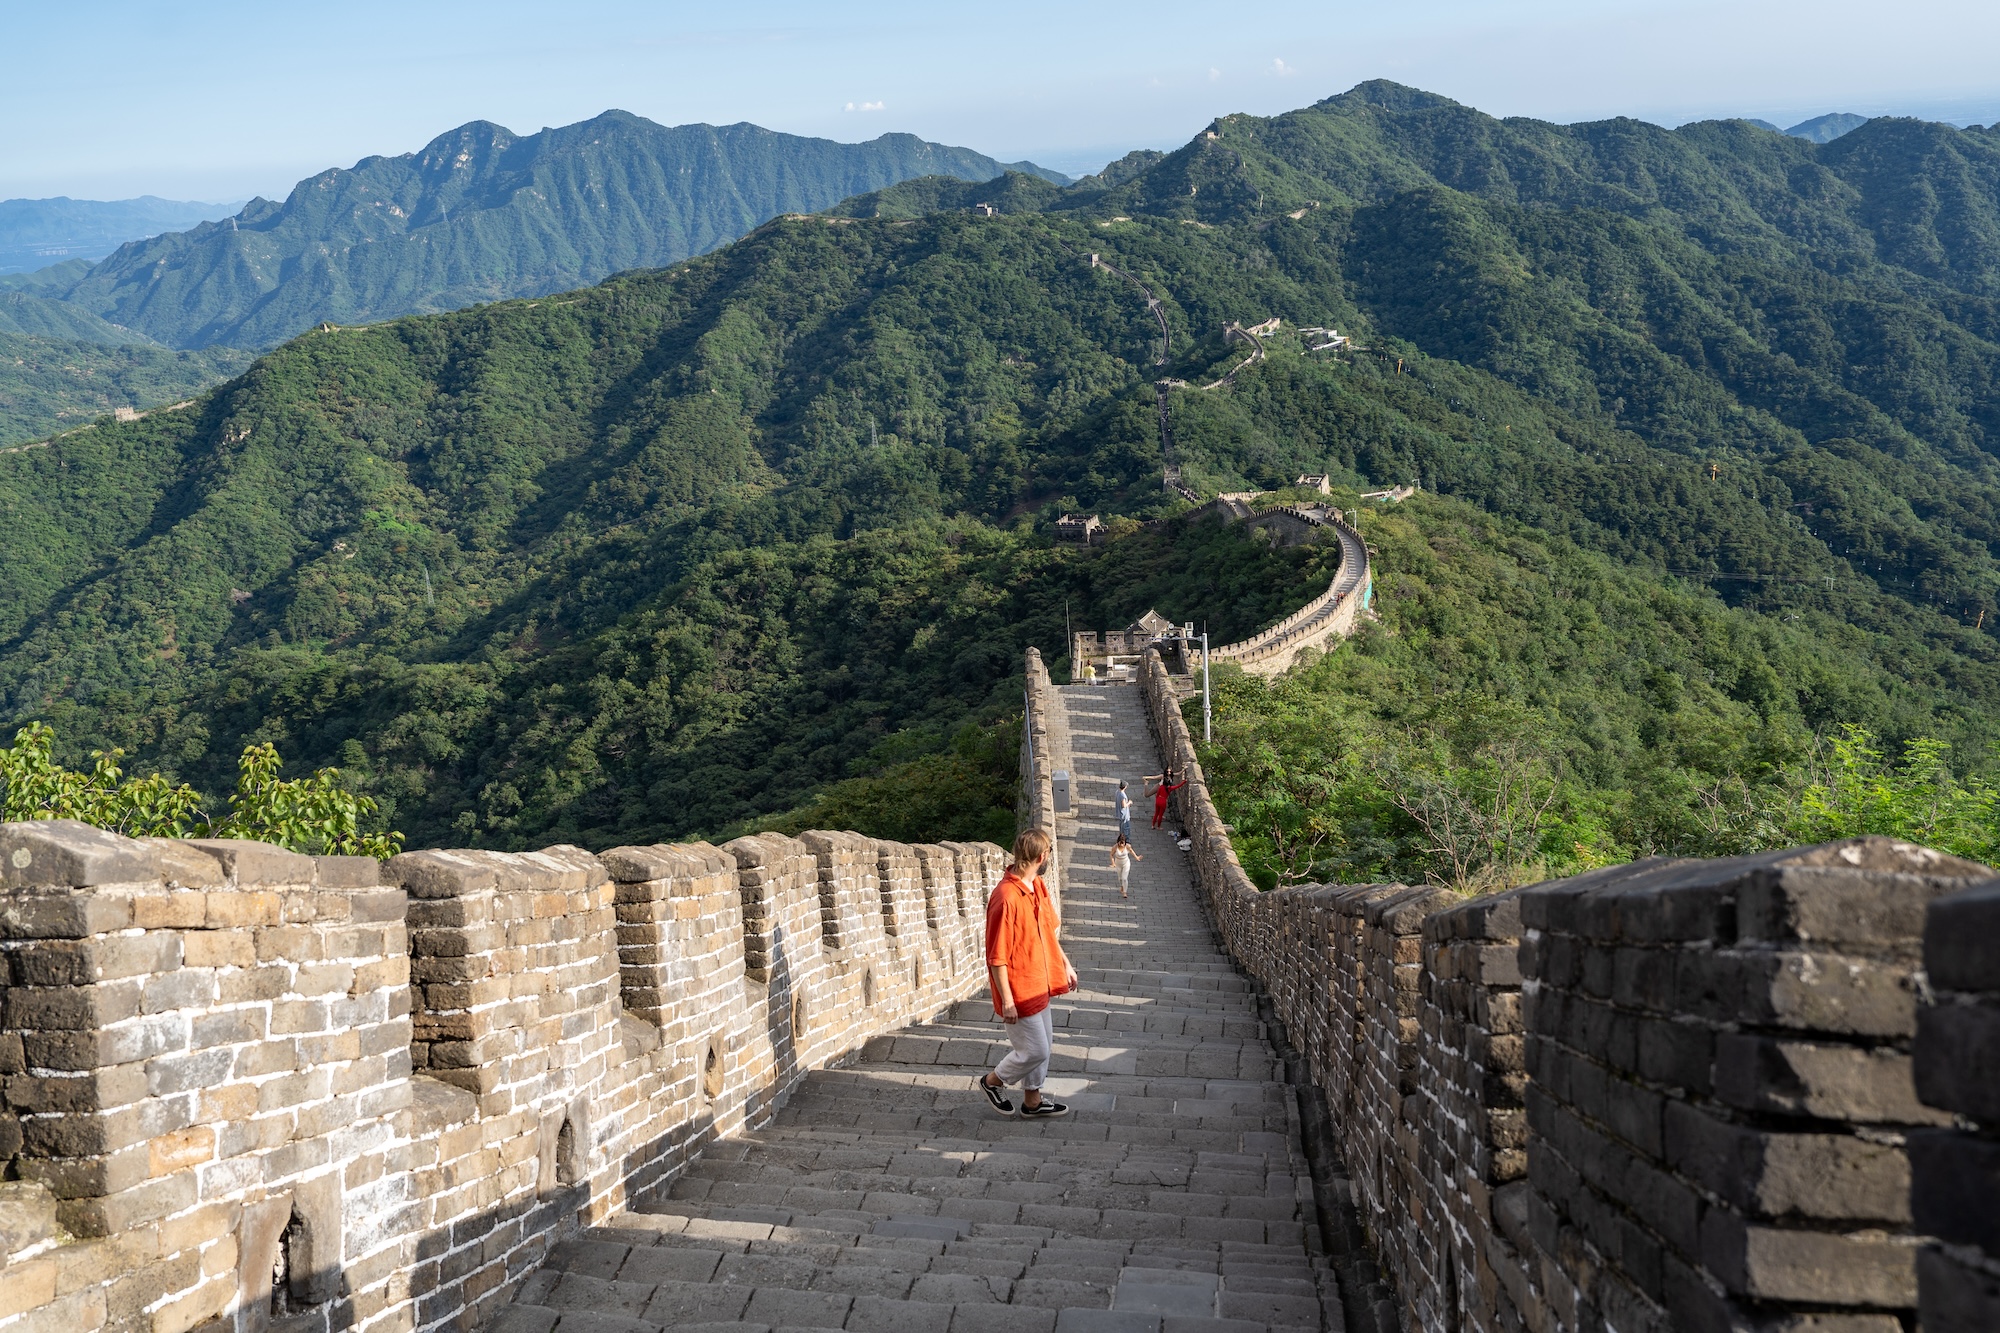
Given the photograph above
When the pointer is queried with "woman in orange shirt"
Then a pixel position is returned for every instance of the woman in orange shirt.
(1027, 969)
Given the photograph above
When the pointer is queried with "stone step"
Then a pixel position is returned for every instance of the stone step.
(888, 1195)
(1103, 1211)
(756, 1272)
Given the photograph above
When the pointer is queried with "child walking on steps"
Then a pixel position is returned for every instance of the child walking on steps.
(1123, 854)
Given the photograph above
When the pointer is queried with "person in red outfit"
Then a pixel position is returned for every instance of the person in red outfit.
(1160, 796)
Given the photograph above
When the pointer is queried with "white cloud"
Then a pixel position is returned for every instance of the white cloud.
(1282, 70)
(1213, 74)
(866, 106)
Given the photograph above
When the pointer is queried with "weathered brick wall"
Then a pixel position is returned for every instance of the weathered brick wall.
(1673, 1095)
(398, 1084)
(1044, 749)
(1955, 1170)
(1720, 1086)
(206, 1050)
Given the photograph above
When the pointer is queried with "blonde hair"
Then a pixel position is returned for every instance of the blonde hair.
(1033, 845)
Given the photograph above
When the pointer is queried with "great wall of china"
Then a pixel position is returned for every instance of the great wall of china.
(1760, 1093)
(249, 1091)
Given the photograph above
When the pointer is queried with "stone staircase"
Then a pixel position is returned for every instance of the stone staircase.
(887, 1195)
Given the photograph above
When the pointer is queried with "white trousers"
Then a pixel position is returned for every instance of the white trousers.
(1028, 1063)
(1124, 873)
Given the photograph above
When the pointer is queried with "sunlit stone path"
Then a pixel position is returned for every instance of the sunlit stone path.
(888, 1196)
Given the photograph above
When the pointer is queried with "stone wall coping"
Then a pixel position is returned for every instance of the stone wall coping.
(1671, 1094)
(851, 844)
(1962, 939)
(68, 854)
(760, 849)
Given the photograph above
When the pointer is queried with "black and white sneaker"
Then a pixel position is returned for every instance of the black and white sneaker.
(1044, 1110)
(996, 1096)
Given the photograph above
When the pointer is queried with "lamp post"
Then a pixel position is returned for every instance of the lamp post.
(1207, 714)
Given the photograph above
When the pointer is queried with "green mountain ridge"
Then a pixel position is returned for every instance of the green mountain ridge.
(481, 214)
(700, 545)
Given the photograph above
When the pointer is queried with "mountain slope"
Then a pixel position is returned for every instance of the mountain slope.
(701, 543)
(24, 312)
(52, 384)
(679, 550)
(481, 214)
(1827, 128)
(1919, 196)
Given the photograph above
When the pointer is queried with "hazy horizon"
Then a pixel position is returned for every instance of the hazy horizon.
(234, 101)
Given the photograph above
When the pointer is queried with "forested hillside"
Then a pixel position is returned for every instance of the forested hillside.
(769, 528)
(52, 384)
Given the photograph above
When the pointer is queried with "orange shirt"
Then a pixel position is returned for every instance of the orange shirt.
(1021, 927)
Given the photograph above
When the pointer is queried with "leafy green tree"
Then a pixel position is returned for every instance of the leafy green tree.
(1853, 789)
(315, 815)
(34, 786)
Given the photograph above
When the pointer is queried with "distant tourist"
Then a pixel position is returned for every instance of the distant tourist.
(1160, 796)
(1027, 969)
(1124, 814)
(1090, 673)
(1123, 854)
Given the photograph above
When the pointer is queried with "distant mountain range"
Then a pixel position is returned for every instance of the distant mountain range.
(1820, 129)
(482, 214)
(682, 549)
(36, 233)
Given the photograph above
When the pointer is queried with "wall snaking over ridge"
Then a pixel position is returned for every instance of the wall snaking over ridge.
(246, 1089)
(1675, 1096)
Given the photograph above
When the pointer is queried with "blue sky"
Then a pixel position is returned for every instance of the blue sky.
(222, 99)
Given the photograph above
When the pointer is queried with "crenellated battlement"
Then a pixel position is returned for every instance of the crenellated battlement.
(250, 1089)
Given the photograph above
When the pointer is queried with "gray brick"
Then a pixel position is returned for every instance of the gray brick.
(1828, 1082)
(1957, 1050)
(1766, 1263)
(1955, 1295)
(1959, 931)
(1836, 1177)
(1955, 1183)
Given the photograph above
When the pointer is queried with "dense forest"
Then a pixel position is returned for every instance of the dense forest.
(1521, 707)
(1703, 426)
(53, 384)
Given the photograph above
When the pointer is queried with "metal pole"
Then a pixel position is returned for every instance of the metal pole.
(1207, 714)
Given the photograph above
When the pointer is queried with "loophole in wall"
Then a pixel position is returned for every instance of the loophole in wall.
(868, 989)
(917, 976)
(569, 1162)
(798, 1017)
(291, 1289)
(711, 1069)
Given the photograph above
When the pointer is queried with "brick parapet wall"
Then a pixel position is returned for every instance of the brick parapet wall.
(1955, 1169)
(407, 1080)
(1673, 1095)
(1044, 732)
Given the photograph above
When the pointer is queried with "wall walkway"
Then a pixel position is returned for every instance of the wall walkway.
(1669, 1096)
(888, 1196)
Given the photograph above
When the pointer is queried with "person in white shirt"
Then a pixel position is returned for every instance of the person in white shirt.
(1123, 854)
